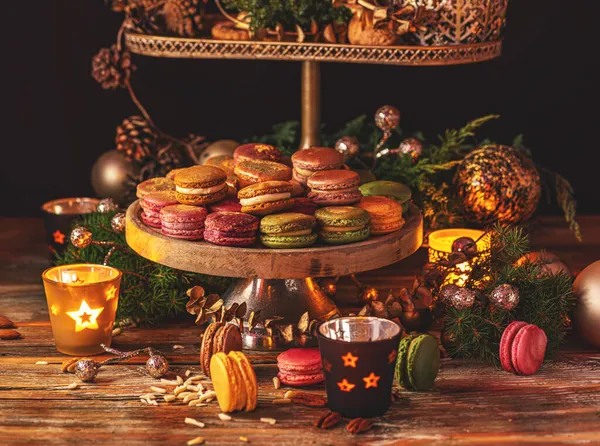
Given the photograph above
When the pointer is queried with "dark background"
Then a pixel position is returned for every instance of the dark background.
(58, 120)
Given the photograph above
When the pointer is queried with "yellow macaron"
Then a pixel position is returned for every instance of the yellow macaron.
(234, 381)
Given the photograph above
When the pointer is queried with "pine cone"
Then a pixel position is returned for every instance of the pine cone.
(143, 16)
(111, 68)
(183, 17)
(136, 138)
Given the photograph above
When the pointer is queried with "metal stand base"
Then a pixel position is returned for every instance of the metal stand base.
(288, 298)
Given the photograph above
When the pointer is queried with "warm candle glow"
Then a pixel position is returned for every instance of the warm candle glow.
(82, 299)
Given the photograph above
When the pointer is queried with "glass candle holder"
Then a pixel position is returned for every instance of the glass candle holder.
(359, 355)
(58, 219)
(82, 302)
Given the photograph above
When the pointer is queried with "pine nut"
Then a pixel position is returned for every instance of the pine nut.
(268, 420)
(72, 386)
(244, 439)
(194, 422)
(197, 440)
(179, 380)
(179, 390)
(224, 417)
(190, 397)
(276, 383)
(169, 398)
(207, 396)
(158, 389)
(192, 388)
(41, 363)
(289, 394)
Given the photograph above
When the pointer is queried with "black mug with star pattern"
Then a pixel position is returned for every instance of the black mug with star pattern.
(359, 356)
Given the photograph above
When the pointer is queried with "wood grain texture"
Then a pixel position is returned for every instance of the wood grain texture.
(471, 403)
(265, 263)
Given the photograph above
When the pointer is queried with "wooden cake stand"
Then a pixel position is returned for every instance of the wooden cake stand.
(278, 282)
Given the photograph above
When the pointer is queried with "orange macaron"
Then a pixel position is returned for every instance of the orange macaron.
(200, 185)
(266, 198)
(255, 171)
(386, 214)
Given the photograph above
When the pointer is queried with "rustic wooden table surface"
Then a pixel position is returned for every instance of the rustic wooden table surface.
(471, 403)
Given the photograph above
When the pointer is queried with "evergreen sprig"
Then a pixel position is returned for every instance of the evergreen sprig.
(149, 292)
(545, 299)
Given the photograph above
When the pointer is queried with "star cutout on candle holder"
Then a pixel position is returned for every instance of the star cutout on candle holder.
(111, 293)
(59, 237)
(392, 356)
(85, 317)
(371, 380)
(349, 360)
(327, 365)
(54, 309)
(345, 386)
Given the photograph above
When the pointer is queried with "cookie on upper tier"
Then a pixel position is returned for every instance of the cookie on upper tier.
(266, 198)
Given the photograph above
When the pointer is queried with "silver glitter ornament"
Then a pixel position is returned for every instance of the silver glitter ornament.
(347, 146)
(86, 370)
(412, 147)
(157, 366)
(462, 299)
(81, 237)
(505, 297)
(107, 205)
(118, 222)
(447, 292)
(387, 118)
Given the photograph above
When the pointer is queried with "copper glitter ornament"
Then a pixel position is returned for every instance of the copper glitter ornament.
(462, 299)
(505, 297)
(447, 292)
(118, 222)
(412, 147)
(107, 205)
(348, 146)
(81, 237)
(157, 366)
(387, 118)
(498, 183)
(86, 370)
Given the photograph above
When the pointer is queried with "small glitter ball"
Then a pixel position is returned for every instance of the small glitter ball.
(462, 299)
(81, 237)
(466, 245)
(505, 297)
(118, 222)
(347, 146)
(387, 118)
(86, 370)
(157, 366)
(107, 205)
(412, 147)
(447, 292)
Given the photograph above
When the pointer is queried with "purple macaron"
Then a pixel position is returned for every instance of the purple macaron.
(231, 229)
(183, 221)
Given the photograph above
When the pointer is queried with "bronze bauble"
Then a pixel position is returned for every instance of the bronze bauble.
(219, 147)
(412, 147)
(109, 174)
(157, 366)
(387, 118)
(118, 222)
(498, 183)
(348, 146)
(586, 316)
(551, 263)
(81, 237)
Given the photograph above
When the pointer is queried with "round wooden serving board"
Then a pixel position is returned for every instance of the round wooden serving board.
(265, 263)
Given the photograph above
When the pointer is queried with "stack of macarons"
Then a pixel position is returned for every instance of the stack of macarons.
(231, 228)
(218, 337)
(300, 367)
(418, 362)
(234, 381)
(307, 162)
(334, 187)
(152, 204)
(342, 224)
(391, 189)
(265, 198)
(522, 348)
(199, 185)
(386, 214)
(288, 230)
(251, 171)
(183, 221)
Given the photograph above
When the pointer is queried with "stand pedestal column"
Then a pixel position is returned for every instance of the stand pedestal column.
(311, 104)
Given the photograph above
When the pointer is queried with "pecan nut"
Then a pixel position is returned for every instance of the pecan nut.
(309, 399)
(68, 365)
(328, 420)
(359, 425)
(6, 322)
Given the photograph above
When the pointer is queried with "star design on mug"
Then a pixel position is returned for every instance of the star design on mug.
(54, 309)
(371, 380)
(59, 237)
(392, 356)
(345, 386)
(327, 365)
(85, 317)
(111, 293)
(349, 360)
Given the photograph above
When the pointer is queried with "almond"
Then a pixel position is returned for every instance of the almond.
(6, 322)
(7, 334)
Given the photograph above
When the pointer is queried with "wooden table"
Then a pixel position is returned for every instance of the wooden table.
(471, 403)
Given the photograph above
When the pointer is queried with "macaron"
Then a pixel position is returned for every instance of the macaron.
(200, 185)
(522, 348)
(342, 224)
(227, 338)
(297, 188)
(152, 203)
(224, 162)
(300, 367)
(334, 187)
(288, 230)
(230, 228)
(206, 347)
(266, 198)
(171, 173)
(401, 361)
(234, 381)
(183, 221)
(154, 185)
(228, 204)
(256, 171)
(418, 362)
(308, 161)
(257, 151)
(386, 214)
(304, 206)
(248, 378)
(396, 191)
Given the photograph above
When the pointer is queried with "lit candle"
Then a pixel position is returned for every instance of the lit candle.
(440, 247)
(82, 300)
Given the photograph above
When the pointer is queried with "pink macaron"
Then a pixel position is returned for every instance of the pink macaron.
(229, 204)
(522, 348)
(231, 229)
(300, 367)
(152, 203)
(183, 221)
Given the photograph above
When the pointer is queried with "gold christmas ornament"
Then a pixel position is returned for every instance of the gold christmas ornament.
(551, 263)
(118, 222)
(81, 237)
(498, 183)
(586, 316)
(109, 174)
(219, 147)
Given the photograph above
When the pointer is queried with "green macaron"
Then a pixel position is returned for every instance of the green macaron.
(282, 242)
(340, 238)
(288, 230)
(391, 189)
(423, 362)
(401, 373)
(342, 224)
